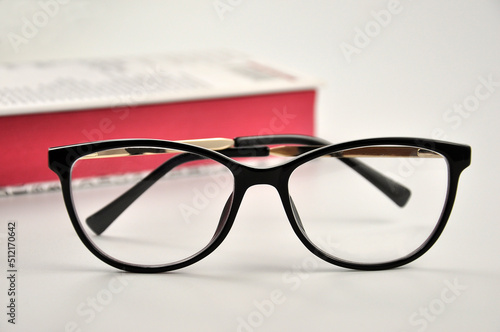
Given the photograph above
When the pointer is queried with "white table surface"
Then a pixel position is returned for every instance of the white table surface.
(429, 57)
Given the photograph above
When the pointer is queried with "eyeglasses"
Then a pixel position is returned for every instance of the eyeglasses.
(153, 206)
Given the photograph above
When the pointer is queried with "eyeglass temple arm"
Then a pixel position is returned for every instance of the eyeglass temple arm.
(250, 146)
(398, 193)
(102, 219)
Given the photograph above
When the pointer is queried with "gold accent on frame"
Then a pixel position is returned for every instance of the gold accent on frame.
(364, 152)
(285, 151)
(209, 143)
(387, 151)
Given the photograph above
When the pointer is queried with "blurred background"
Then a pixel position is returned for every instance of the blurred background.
(397, 77)
(390, 68)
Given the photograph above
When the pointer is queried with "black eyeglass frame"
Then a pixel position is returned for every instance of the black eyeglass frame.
(62, 159)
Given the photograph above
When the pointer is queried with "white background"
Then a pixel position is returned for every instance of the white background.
(404, 81)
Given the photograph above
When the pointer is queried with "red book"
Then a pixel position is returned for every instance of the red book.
(217, 94)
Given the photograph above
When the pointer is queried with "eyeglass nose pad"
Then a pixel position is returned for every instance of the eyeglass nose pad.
(296, 214)
(225, 214)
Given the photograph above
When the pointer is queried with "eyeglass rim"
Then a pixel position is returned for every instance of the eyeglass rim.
(61, 160)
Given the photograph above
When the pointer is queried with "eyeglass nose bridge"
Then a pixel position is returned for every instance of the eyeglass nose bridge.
(247, 177)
